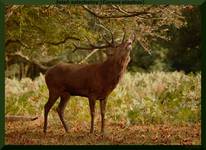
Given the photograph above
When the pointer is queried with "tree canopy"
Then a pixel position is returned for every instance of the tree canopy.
(44, 35)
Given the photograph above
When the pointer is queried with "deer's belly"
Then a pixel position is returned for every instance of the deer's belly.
(78, 92)
(86, 92)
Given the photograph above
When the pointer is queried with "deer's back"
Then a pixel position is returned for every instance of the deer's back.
(77, 79)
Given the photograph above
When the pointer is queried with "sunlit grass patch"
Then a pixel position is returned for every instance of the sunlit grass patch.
(140, 98)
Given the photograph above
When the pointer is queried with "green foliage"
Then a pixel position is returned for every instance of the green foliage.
(144, 62)
(140, 98)
(181, 52)
(184, 47)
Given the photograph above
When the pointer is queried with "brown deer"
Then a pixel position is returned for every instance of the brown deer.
(94, 81)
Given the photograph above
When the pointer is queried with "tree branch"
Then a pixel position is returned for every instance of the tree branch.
(63, 41)
(11, 118)
(91, 48)
(16, 41)
(89, 55)
(115, 16)
(25, 59)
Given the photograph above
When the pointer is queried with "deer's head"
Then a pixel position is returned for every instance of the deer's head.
(121, 52)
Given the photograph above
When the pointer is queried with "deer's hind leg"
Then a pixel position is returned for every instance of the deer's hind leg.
(53, 96)
(92, 112)
(61, 107)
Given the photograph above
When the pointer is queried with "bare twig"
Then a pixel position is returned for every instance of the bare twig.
(118, 8)
(145, 47)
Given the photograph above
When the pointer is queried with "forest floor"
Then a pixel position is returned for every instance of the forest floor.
(31, 133)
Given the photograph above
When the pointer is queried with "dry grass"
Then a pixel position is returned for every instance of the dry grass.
(31, 133)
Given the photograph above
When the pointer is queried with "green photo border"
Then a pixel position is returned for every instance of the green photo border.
(200, 3)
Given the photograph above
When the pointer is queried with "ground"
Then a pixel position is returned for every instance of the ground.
(31, 133)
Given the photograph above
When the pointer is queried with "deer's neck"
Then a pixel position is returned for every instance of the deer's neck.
(113, 70)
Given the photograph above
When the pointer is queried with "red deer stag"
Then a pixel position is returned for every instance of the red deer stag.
(94, 81)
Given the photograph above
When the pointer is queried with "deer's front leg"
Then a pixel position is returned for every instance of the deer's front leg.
(92, 112)
(102, 107)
